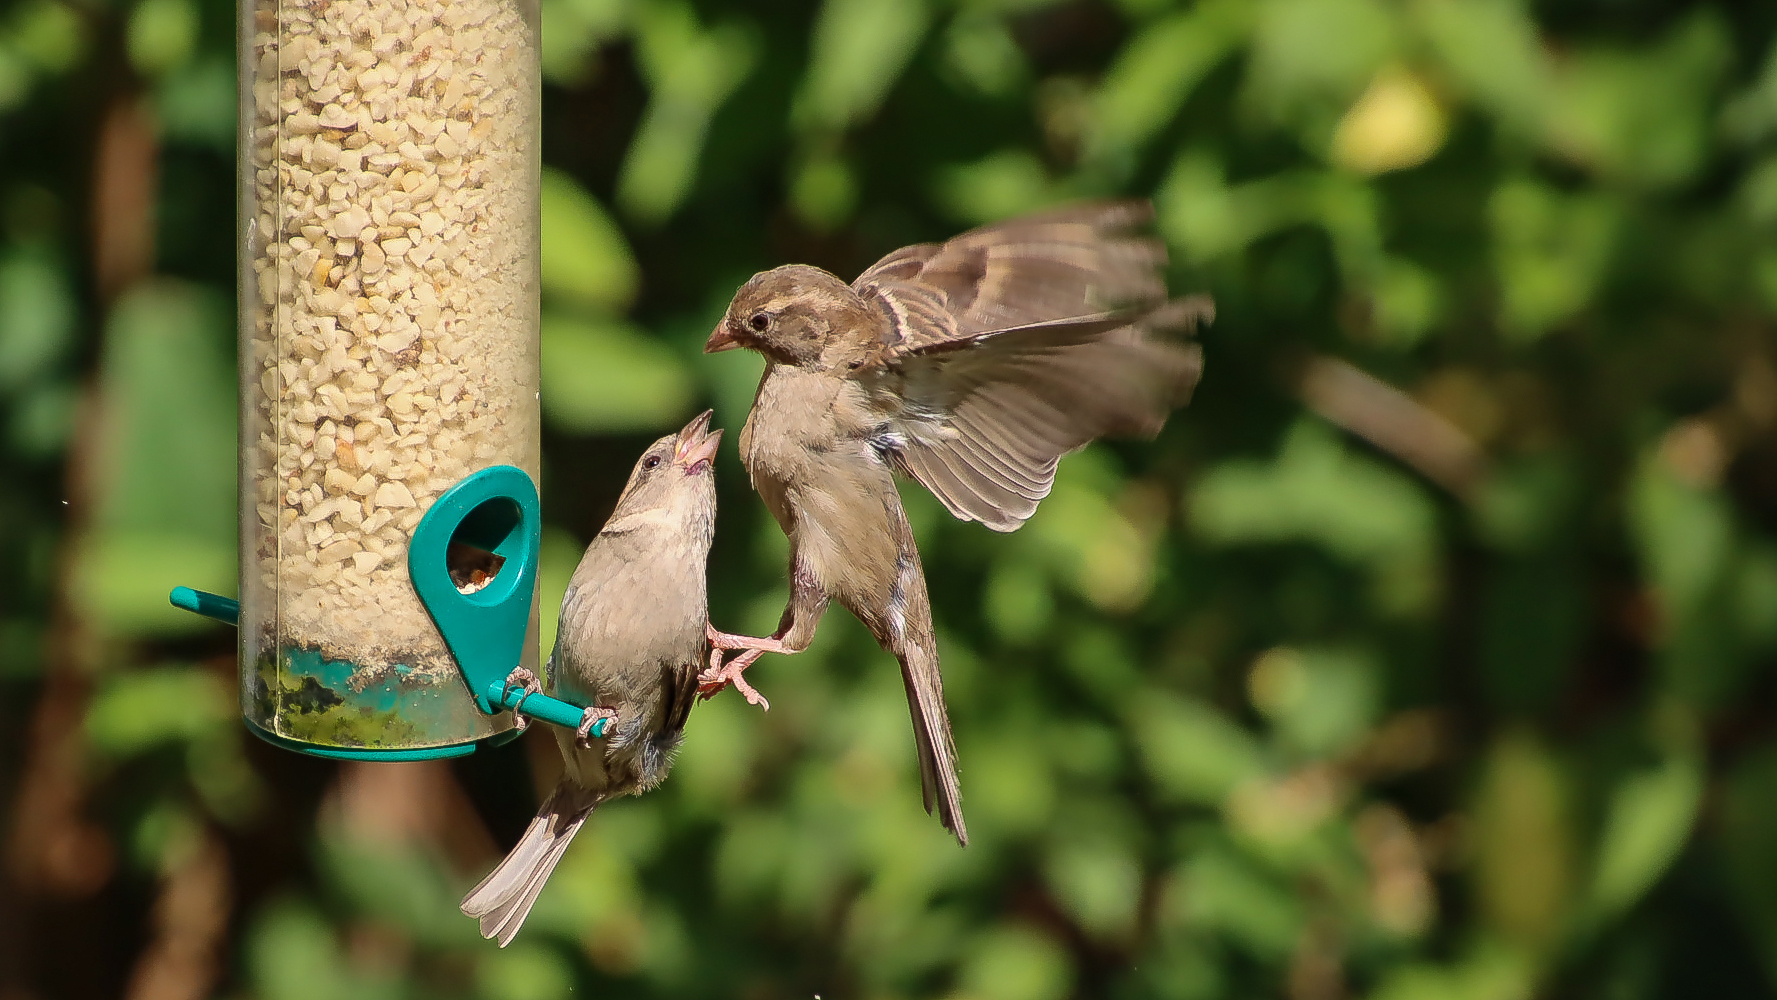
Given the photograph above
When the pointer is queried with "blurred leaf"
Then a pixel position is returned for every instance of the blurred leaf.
(43, 420)
(36, 319)
(164, 836)
(197, 104)
(123, 579)
(691, 73)
(1756, 593)
(1309, 56)
(162, 35)
(1218, 890)
(608, 376)
(166, 503)
(49, 34)
(1206, 218)
(1684, 536)
(1642, 116)
(1017, 963)
(983, 55)
(1098, 551)
(292, 955)
(572, 29)
(391, 881)
(1152, 77)
(1321, 700)
(1491, 50)
(1100, 659)
(15, 77)
(857, 51)
(1525, 504)
(1317, 492)
(1099, 884)
(1551, 251)
(21, 649)
(557, 558)
(1752, 114)
(1648, 823)
(585, 256)
(138, 710)
(1011, 790)
(1524, 865)
(1016, 601)
(1004, 184)
(524, 971)
(222, 777)
(824, 191)
(1491, 973)
(1190, 750)
(716, 759)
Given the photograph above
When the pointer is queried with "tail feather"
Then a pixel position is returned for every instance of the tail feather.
(502, 900)
(931, 732)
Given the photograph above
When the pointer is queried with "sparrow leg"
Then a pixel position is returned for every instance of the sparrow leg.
(588, 719)
(521, 678)
(720, 640)
(795, 630)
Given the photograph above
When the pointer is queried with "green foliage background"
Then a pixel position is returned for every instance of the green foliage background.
(1428, 654)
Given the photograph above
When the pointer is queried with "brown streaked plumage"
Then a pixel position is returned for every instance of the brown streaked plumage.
(972, 366)
(631, 642)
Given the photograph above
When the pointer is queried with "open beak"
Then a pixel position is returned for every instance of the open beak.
(697, 443)
(721, 339)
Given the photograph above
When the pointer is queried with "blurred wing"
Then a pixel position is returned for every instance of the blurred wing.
(986, 422)
(1017, 343)
(1078, 261)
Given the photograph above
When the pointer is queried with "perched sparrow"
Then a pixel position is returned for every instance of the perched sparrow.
(971, 366)
(629, 648)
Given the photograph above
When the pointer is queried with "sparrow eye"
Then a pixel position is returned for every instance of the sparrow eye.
(651, 463)
(759, 322)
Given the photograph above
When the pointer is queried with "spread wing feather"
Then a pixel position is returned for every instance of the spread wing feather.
(1015, 344)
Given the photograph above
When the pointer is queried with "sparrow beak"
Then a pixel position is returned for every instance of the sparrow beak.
(697, 443)
(721, 339)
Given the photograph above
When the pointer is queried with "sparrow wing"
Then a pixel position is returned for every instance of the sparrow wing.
(1076, 261)
(1012, 345)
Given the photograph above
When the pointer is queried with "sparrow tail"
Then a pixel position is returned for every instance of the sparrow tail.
(503, 899)
(931, 732)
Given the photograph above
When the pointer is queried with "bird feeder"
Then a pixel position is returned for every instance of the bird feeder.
(389, 366)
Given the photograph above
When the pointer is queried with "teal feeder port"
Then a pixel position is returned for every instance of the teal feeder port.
(473, 565)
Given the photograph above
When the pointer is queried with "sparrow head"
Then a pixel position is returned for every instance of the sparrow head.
(791, 315)
(673, 475)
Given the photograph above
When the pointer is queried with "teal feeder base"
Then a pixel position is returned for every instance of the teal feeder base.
(494, 510)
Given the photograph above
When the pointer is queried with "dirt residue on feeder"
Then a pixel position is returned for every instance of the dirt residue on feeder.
(390, 326)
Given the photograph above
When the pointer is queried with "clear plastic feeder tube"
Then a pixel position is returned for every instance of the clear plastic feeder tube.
(388, 343)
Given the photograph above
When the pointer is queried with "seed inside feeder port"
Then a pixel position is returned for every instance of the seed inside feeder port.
(471, 568)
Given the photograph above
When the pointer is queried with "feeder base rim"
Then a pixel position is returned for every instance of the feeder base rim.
(381, 756)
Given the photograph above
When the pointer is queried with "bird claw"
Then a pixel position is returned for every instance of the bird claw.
(521, 677)
(589, 718)
(720, 675)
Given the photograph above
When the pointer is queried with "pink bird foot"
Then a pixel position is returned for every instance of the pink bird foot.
(590, 718)
(521, 678)
(720, 675)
